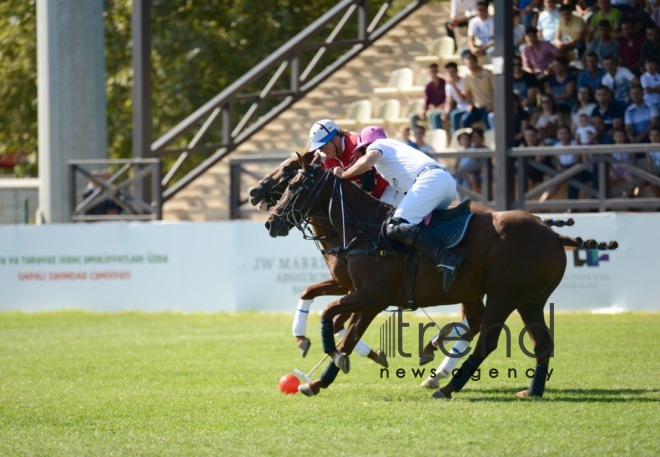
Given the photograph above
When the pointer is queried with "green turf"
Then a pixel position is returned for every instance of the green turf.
(170, 384)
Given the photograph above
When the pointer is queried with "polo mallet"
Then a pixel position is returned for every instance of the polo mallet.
(307, 377)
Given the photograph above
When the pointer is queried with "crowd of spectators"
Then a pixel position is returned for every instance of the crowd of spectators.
(585, 73)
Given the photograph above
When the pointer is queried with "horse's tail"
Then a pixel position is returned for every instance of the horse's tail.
(559, 222)
(586, 244)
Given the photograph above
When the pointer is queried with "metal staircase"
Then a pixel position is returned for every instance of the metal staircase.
(246, 106)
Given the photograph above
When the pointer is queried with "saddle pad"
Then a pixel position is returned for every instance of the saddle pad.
(449, 226)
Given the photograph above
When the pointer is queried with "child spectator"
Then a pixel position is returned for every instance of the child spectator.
(471, 178)
(585, 133)
(420, 143)
(650, 81)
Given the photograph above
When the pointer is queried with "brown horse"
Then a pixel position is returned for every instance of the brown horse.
(510, 256)
(267, 193)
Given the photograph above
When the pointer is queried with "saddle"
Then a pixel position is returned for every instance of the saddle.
(449, 226)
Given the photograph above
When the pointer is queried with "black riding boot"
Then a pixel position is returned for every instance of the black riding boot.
(417, 239)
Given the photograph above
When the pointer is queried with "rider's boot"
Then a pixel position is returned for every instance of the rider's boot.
(413, 237)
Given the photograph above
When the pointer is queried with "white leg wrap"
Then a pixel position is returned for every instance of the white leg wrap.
(448, 365)
(299, 327)
(361, 347)
(455, 332)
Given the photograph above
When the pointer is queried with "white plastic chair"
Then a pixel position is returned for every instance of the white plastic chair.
(358, 113)
(437, 139)
(453, 143)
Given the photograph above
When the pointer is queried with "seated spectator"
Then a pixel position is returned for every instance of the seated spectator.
(526, 9)
(603, 136)
(566, 161)
(420, 142)
(571, 33)
(534, 176)
(548, 20)
(618, 174)
(525, 85)
(471, 178)
(585, 133)
(592, 75)
(653, 159)
(639, 117)
(618, 79)
(604, 45)
(518, 33)
(479, 91)
(609, 112)
(585, 105)
(456, 104)
(481, 32)
(520, 121)
(638, 15)
(404, 136)
(547, 120)
(434, 100)
(630, 47)
(605, 11)
(460, 13)
(538, 54)
(651, 46)
(561, 85)
(583, 8)
(650, 82)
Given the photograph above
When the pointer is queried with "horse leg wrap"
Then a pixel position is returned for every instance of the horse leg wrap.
(329, 374)
(463, 376)
(328, 336)
(538, 381)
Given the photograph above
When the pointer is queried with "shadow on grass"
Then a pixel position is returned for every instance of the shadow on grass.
(571, 395)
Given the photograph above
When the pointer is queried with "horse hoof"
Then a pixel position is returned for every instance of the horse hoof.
(430, 383)
(526, 394)
(438, 395)
(342, 362)
(307, 390)
(382, 359)
(426, 358)
(304, 345)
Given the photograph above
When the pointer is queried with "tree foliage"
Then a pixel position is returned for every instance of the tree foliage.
(198, 48)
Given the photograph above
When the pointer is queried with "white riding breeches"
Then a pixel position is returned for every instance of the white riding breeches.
(433, 189)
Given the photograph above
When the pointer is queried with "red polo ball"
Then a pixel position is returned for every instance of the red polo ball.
(289, 384)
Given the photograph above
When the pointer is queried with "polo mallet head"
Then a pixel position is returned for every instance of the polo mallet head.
(308, 377)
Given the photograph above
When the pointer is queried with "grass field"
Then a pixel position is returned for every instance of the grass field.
(171, 384)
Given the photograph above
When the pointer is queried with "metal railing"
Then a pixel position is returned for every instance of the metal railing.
(110, 190)
(597, 193)
(249, 104)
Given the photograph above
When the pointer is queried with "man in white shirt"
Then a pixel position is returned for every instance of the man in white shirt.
(460, 13)
(618, 79)
(548, 20)
(427, 186)
(456, 103)
(481, 32)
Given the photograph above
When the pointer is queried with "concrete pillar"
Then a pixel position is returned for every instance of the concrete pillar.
(71, 90)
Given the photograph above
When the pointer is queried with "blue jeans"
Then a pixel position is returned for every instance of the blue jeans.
(455, 118)
(477, 114)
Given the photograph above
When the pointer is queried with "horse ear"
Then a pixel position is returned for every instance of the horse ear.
(303, 163)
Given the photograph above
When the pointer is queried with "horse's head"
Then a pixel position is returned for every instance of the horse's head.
(298, 199)
(268, 191)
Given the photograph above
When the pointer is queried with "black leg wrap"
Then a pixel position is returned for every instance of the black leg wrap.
(329, 374)
(538, 381)
(463, 376)
(328, 336)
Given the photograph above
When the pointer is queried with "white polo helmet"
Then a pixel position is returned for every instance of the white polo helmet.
(321, 132)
